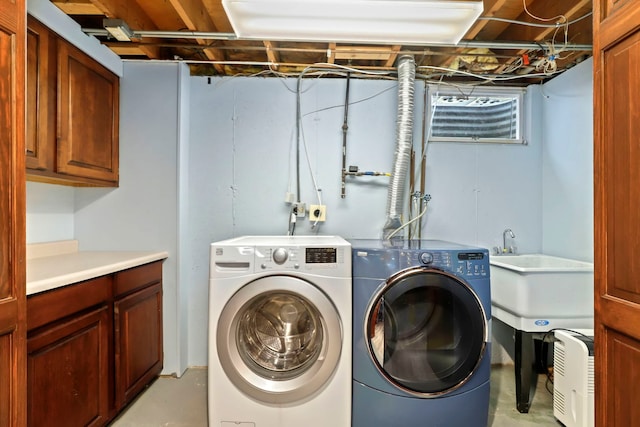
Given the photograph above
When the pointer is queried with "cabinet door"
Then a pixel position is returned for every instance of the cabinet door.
(138, 341)
(68, 372)
(41, 97)
(12, 226)
(88, 117)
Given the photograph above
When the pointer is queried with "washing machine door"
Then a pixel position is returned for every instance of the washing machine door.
(279, 339)
(426, 331)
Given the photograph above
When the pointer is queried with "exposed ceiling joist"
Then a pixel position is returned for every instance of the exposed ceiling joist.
(554, 13)
(193, 14)
(272, 56)
(129, 11)
(77, 7)
(199, 32)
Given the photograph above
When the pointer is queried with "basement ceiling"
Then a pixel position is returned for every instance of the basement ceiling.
(513, 41)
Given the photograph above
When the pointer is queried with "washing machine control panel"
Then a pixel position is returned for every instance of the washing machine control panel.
(280, 255)
(294, 258)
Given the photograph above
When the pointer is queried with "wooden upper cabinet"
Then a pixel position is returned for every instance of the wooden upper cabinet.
(72, 113)
(41, 97)
(88, 111)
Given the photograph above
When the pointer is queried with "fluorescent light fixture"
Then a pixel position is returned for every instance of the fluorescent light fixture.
(118, 29)
(366, 21)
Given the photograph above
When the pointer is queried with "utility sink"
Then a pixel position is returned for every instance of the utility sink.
(542, 288)
(535, 293)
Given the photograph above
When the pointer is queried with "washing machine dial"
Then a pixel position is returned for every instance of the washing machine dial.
(280, 256)
(426, 258)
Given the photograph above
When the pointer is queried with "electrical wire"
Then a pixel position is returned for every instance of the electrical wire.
(323, 69)
(351, 69)
(351, 103)
(493, 78)
(300, 136)
(394, 232)
(524, 5)
(313, 178)
(532, 24)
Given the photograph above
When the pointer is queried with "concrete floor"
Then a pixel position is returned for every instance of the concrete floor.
(182, 402)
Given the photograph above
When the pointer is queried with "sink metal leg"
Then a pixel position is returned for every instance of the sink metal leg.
(524, 370)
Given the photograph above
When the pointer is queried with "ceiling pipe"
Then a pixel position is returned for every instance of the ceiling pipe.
(205, 35)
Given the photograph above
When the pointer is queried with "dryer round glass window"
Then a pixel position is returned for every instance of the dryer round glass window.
(427, 331)
(279, 338)
(279, 334)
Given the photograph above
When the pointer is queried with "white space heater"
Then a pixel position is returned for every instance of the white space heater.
(573, 378)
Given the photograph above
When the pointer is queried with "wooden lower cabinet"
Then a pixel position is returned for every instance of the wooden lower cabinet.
(68, 372)
(91, 349)
(138, 331)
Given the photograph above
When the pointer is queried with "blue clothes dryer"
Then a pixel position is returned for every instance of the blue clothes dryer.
(421, 328)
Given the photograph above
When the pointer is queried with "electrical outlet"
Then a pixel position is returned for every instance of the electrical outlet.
(317, 212)
(299, 210)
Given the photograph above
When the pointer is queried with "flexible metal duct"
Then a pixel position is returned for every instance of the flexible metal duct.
(404, 141)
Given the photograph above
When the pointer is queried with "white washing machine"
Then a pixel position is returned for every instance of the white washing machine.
(280, 332)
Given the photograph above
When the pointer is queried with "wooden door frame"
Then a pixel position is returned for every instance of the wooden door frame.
(13, 322)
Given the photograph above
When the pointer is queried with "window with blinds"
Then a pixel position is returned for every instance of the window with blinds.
(493, 116)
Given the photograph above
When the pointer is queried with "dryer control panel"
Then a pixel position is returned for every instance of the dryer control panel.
(472, 264)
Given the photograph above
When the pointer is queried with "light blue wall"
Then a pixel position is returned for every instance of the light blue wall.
(142, 214)
(203, 160)
(240, 170)
(50, 212)
(241, 137)
(567, 164)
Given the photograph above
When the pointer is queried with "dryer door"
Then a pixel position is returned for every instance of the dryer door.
(279, 339)
(426, 331)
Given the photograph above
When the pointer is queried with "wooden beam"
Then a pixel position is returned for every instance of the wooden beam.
(376, 53)
(133, 15)
(218, 15)
(331, 53)
(544, 9)
(272, 56)
(196, 18)
(492, 8)
(392, 57)
(162, 14)
(490, 30)
(77, 7)
(126, 49)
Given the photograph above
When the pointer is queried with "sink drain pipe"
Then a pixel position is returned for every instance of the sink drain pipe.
(404, 142)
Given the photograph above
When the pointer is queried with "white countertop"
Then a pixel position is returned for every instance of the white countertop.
(56, 264)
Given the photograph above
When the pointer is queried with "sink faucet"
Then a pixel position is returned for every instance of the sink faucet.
(505, 248)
